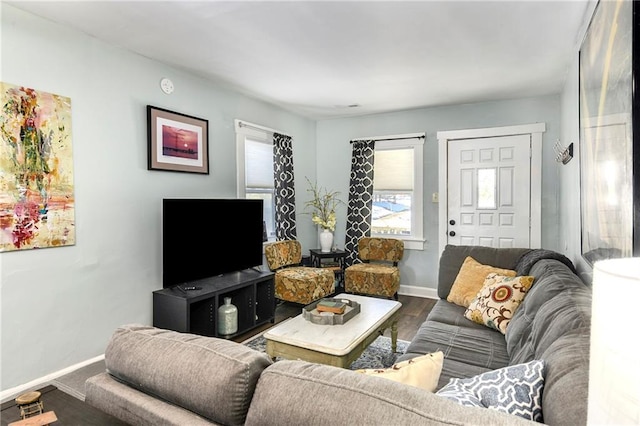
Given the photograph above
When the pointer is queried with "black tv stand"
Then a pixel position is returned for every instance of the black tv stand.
(195, 310)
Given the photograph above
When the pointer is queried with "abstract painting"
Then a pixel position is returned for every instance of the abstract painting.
(36, 170)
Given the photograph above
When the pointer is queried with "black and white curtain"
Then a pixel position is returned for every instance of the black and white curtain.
(360, 197)
(284, 191)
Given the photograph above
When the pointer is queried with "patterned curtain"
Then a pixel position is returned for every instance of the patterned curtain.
(284, 191)
(360, 198)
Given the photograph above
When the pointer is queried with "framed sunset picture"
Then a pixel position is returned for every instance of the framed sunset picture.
(177, 142)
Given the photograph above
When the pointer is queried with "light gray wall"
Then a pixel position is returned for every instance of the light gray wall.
(60, 305)
(419, 268)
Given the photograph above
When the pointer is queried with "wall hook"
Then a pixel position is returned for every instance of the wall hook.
(563, 155)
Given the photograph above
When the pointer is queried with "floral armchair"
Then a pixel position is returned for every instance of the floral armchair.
(378, 274)
(293, 282)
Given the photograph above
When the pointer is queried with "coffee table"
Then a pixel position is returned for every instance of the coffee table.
(339, 344)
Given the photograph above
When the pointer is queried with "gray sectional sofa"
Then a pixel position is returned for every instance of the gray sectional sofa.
(553, 324)
(160, 377)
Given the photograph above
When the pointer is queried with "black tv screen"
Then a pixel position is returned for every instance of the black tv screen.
(204, 238)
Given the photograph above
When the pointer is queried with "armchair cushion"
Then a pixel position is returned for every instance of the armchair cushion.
(302, 284)
(372, 278)
(380, 249)
(281, 254)
(293, 282)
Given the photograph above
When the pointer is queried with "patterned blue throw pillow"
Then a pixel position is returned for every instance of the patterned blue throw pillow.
(516, 389)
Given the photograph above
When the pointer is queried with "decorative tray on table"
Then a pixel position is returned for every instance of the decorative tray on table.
(311, 313)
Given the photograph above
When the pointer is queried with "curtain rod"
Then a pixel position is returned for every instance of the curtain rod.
(387, 139)
(261, 128)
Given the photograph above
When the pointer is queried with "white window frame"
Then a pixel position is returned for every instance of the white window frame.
(416, 240)
(245, 130)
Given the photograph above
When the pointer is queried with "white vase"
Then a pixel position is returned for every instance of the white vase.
(326, 240)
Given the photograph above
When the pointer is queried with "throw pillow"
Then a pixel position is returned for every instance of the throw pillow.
(516, 389)
(497, 300)
(470, 280)
(422, 371)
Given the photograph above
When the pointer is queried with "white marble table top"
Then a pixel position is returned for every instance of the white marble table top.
(339, 339)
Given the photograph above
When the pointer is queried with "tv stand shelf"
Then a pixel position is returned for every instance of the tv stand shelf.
(196, 311)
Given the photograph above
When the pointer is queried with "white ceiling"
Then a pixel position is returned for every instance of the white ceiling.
(317, 58)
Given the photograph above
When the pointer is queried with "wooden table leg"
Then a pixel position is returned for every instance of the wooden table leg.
(394, 336)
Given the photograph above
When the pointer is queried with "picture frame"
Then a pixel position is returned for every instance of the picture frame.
(609, 147)
(177, 142)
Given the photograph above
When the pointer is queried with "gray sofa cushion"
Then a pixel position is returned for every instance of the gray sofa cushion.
(302, 393)
(453, 256)
(557, 302)
(528, 260)
(455, 369)
(214, 378)
(554, 324)
(565, 396)
(450, 313)
(133, 407)
(469, 348)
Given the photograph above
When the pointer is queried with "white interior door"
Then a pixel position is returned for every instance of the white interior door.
(532, 137)
(489, 191)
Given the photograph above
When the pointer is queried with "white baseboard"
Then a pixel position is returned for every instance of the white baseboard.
(8, 393)
(412, 290)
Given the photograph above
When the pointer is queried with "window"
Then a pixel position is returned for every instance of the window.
(487, 188)
(255, 168)
(397, 189)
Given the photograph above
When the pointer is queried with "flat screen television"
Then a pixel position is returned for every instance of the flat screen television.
(207, 237)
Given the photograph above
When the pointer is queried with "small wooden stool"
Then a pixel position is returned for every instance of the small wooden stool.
(29, 404)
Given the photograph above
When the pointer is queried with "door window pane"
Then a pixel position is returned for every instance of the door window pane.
(487, 188)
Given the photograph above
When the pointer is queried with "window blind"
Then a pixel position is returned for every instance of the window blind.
(259, 164)
(393, 170)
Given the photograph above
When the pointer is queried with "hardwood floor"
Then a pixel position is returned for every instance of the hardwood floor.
(413, 312)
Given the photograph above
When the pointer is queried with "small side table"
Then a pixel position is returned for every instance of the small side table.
(338, 258)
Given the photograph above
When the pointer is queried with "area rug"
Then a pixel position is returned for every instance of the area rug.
(377, 355)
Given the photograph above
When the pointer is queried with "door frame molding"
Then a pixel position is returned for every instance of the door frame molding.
(535, 131)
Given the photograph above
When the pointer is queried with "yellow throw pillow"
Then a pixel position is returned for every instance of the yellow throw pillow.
(470, 280)
(422, 371)
(498, 300)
